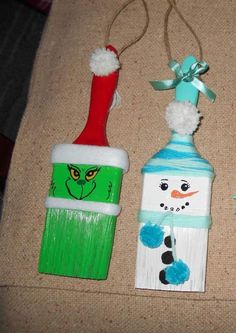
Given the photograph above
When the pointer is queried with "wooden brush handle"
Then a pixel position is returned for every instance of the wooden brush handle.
(185, 91)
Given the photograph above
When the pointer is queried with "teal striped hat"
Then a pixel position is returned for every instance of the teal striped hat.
(179, 157)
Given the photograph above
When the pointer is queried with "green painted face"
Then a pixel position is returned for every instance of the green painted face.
(86, 182)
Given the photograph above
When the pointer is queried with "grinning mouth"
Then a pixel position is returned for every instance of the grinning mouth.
(69, 191)
(81, 197)
(173, 209)
(86, 195)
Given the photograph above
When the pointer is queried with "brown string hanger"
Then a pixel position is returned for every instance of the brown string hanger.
(114, 17)
(172, 5)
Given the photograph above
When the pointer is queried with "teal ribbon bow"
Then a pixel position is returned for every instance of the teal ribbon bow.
(195, 70)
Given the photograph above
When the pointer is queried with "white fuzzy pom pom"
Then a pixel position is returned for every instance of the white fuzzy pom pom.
(182, 117)
(103, 62)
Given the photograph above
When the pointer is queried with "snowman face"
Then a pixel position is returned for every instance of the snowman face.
(179, 194)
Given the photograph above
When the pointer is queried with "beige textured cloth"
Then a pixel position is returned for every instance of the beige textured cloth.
(56, 113)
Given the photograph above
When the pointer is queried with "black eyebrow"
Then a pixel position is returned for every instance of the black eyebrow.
(71, 166)
(93, 168)
(165, 179)
(182, 180)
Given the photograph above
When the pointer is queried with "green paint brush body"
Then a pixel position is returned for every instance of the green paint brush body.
(82, 205)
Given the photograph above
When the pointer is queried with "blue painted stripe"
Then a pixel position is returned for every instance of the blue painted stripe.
(182, 143)
(176, 171)
(166, 168)
(202, 161)
(186, 149)
(192, 171)
(171, 154)
(179, 164)
(186, 161)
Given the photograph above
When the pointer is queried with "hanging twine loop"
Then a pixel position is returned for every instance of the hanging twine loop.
(194, 71)
(172, 5)
(136, 39)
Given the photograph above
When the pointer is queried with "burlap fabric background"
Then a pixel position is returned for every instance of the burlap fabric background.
(56, 113)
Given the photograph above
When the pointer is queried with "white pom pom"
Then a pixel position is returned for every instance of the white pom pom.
(103, 62)
(182, 117)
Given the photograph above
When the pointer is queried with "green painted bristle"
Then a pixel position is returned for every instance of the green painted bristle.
(77, 243)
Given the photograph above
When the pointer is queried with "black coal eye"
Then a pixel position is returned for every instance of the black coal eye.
(185, 187)
(164, 186)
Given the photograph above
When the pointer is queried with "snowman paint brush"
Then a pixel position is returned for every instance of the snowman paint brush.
(175, 207)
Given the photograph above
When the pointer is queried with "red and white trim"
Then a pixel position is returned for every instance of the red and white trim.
(86, 154)
(89, 206)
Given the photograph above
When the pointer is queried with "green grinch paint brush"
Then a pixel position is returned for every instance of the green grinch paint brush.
(82, 205)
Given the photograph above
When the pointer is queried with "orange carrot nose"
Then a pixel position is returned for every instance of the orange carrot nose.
(178, 195)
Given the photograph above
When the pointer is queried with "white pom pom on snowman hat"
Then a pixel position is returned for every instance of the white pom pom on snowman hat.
(103, 62)
(182, 117)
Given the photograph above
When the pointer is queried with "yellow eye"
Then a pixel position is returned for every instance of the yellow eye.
(91, 174)
(74, 174)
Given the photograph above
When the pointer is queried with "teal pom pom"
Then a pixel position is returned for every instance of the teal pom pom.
(177, 273)
(151, 235)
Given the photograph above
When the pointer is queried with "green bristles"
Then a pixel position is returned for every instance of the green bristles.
(77, 243)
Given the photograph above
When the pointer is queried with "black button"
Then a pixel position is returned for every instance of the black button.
(162, 277)
(167, 257)
(167, 241)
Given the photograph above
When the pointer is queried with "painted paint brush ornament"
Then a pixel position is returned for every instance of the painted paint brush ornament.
(175, 207)
(83, 201)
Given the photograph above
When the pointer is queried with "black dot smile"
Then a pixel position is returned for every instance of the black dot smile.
(172, 209)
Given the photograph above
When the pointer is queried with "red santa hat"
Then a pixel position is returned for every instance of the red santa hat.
(91, 146)
(104, 63)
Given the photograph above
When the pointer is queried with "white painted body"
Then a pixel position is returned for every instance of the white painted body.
(191, 247)
(191, 243)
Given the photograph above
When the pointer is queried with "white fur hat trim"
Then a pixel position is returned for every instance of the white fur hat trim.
(89, 206)
(86, 154)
